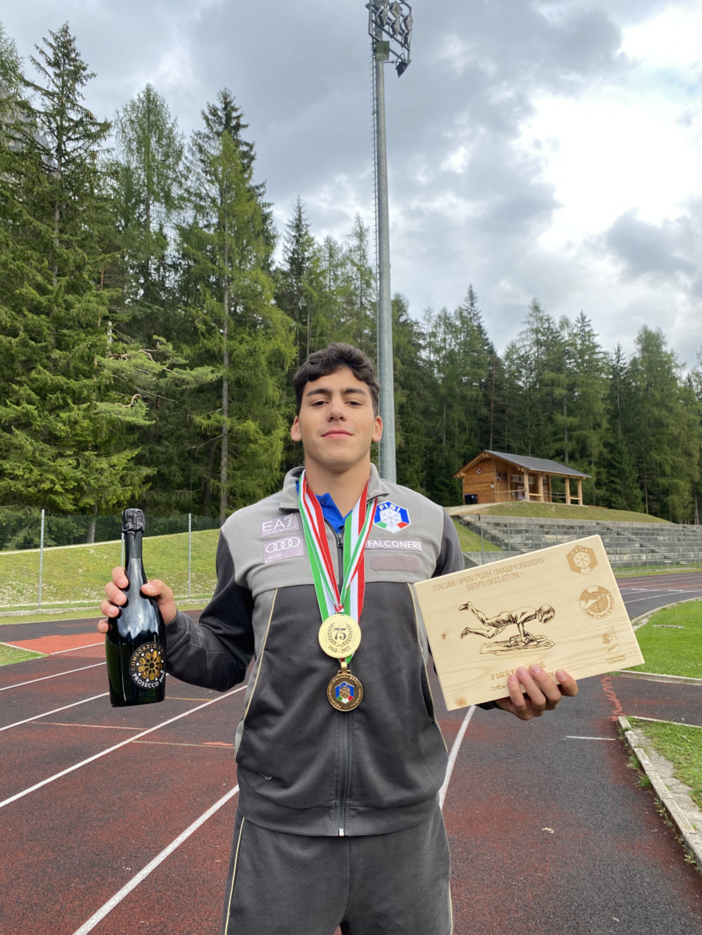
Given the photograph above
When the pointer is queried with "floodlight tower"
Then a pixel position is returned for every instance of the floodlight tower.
(390, 29)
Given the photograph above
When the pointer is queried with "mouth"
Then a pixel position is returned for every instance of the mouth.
(336, 433)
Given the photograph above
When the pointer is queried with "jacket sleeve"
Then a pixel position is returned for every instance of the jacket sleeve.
(215, 652)
(451, 557)
(450, 560)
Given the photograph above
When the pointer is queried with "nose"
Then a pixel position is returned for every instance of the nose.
(336, 409)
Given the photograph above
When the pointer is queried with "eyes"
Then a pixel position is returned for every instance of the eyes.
(354, 403)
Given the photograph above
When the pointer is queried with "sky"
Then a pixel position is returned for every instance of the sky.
(536, 149)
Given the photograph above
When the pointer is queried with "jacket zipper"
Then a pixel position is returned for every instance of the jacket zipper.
(345, 723)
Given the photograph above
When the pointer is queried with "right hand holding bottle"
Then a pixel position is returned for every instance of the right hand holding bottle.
(116, 597)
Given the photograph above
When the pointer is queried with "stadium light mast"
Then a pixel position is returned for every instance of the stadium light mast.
(390, 29)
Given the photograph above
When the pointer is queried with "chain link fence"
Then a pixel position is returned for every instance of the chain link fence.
(49, 560)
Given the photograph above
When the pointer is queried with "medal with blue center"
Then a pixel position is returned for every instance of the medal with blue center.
(339, 635)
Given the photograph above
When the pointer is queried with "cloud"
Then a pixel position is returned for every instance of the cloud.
(542, 148)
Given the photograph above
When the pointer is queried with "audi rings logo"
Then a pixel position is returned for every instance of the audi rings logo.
(288, 547)
(283, 545)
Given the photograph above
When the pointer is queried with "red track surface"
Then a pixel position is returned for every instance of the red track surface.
(607, 863)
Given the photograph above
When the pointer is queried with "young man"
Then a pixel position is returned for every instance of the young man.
(340, 759)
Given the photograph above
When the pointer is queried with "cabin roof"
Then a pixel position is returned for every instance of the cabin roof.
(536, 465)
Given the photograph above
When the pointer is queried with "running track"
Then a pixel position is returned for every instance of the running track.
(549, 833)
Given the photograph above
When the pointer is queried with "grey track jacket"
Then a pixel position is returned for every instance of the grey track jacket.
(304, 767)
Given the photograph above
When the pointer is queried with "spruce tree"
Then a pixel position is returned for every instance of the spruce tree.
(66, 430)
(226, 246)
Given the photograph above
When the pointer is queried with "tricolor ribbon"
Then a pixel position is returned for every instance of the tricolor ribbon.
(332, 600)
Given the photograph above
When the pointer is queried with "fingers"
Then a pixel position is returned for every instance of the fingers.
(568, 685)
(104, 626)
(119, 578)
(540, 694)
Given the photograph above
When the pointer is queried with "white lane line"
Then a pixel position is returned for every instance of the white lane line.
(94, 665)
(143, 874)
(55, 711)
(639, 599)
(97, 756)
(575, 737)
(72, 649)
(454, 754)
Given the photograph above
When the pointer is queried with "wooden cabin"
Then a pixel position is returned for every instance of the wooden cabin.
(498, 477)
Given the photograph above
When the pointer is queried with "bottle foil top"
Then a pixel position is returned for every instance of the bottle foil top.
(133, 521)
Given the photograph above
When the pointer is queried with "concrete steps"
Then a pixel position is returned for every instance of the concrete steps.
(627, 544)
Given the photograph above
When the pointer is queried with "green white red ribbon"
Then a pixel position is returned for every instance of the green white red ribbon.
(332, 600)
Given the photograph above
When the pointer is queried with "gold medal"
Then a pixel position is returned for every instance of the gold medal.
(340, 636)
(344, 691)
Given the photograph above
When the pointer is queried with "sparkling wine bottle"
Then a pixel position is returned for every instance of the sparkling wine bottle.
(135, 646)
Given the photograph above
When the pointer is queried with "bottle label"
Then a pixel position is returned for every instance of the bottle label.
(147, 667)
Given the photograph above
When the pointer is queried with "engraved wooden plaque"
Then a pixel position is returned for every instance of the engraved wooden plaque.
(559, 607)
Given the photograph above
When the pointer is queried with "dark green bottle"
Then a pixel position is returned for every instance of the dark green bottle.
(135, 646)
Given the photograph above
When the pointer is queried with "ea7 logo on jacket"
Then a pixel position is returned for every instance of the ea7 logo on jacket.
(390, 516)
(290, 547)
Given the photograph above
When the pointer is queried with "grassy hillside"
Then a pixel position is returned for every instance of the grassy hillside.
(470, 541)
(78, 574)
(563, 511)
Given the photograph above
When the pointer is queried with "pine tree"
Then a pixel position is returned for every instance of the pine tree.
(226, 247)
(148, 180)
(66, 431)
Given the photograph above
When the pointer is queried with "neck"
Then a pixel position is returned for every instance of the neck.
(345, 485)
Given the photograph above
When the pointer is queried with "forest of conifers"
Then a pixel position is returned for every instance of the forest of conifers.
(151, 318)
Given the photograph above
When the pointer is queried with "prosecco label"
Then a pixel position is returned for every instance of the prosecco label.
(147, 667)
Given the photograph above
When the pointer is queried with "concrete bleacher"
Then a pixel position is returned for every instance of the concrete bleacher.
(632, 544)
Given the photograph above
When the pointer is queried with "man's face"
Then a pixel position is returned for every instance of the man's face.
(336, 424)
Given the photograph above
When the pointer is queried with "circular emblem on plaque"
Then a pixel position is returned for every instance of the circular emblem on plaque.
(345, 692)
(147, 666)
(597, 602)
(339, 636)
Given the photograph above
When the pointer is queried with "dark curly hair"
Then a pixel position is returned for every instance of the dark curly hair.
(333, 358)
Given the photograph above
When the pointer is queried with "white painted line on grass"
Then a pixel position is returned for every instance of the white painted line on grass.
(97, 756)
(94, 665)
(55, 711)
(453, 756)
(575, 737)
(143, 874)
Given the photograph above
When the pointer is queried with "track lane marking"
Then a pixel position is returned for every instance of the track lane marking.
(107, 908)
(94, 726)
(576, 737)
(453, 756)
(97, 756)
(55, 711)
(43, 678)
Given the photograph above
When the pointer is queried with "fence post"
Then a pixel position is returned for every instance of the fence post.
(190, 550)
(533, 537)
(41, 556)
(631, 554)
(482, 541)
(509, 538)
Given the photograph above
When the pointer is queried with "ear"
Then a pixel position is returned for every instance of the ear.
(295, 432)
(377, 429)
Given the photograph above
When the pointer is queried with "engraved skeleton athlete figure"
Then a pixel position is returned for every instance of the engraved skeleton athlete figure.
(338, 820)
(491, 626)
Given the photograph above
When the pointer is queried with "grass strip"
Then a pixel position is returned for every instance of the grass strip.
(681, 745)
(671, 651)
(563, 511)
(470, 541)
(8, 655)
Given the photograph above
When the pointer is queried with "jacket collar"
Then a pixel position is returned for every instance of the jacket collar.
(377, 487)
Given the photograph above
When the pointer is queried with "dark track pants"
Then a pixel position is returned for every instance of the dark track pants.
(385, 884)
